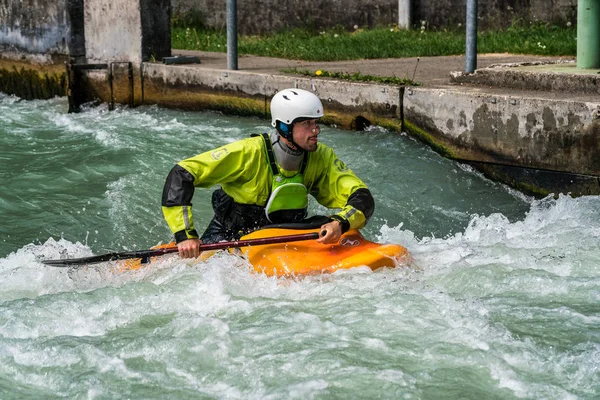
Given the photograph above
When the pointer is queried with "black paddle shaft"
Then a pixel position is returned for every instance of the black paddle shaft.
(146, 254)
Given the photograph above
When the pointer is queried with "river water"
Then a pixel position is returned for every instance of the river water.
(502, 300)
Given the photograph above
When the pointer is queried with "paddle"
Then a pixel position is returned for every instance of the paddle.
(146, 254)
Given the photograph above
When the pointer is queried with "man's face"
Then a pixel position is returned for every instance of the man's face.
(305, 134)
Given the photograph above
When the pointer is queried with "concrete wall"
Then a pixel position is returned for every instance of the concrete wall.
(37, 26)
(241, 92)
(516, 139)
(530, 132)
(495, 13)
(113, 31)
(259, 16)
(144, 24)
(90, 30)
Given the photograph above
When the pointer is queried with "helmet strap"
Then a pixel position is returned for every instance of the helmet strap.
(286, 131)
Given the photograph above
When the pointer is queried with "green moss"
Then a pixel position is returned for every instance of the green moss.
(193, 100)
(237, 105)
(32, 84)
(393, 125)
(425, 137)
(531, 189)
(525, 187)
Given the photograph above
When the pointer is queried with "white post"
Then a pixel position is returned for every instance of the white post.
(405, 14)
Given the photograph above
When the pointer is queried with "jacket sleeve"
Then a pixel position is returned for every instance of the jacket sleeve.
(339, 187)
(177, 203)
(205, 170)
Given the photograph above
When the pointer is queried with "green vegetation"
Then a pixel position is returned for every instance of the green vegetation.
(355, 77)
(337, 44)
(32, 84)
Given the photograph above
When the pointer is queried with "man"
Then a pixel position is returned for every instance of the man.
(266, 180)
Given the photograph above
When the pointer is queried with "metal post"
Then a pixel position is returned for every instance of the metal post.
(588, 34)
(471, 50)
(232, 55)
(405, 14)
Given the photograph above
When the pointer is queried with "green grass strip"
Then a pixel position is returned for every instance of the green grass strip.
(338, 45)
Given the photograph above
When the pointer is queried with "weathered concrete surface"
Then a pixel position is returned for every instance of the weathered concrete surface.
(33, 26)
(533, 132)
(261, 16)
(540, 183)
(495, 13)
(145, 24)
(88, 31)
(538, 141)
(107, 23)
(562, 76)
(532, 125)
(429, 71)
(348, 104)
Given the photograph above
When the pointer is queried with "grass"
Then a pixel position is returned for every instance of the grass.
(337, 44)
(355, 77)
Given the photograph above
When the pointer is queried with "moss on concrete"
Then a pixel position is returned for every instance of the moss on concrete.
(202, 100)
(243, 106)
(30, 81)
(394, 125)
(429, 139)
(532, 189)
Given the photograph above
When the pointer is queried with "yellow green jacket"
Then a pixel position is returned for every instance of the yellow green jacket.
(242, 169)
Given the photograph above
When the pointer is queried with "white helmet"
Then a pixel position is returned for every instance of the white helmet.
(291, 104)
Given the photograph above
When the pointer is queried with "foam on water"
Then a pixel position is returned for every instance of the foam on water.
(219, 329)
(501, 301)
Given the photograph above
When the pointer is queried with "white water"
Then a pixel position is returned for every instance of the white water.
(502, 300)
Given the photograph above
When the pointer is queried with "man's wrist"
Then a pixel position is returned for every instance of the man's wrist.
(344, 224)
(183, 235)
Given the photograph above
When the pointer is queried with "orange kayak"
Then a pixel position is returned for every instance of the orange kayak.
(308, 256)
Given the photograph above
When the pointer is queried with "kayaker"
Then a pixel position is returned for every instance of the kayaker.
(266, 180)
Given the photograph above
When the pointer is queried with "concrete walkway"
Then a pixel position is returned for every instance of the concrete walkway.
(429, 71)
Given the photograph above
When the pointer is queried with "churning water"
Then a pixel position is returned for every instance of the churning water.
(502, 301)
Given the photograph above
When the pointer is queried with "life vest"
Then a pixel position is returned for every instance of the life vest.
(288, 201)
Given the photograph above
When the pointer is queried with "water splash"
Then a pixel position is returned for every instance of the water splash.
(502, 301)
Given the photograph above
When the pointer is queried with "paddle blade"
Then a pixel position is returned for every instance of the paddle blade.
(143, 254)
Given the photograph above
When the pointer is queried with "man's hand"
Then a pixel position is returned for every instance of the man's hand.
(189, 248)
(333, 232)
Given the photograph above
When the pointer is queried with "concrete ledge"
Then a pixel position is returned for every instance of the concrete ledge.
(530, 132)
(190, 87)
(549, 77)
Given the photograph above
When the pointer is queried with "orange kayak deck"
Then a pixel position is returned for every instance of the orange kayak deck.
(310, 257)
(305, 257)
